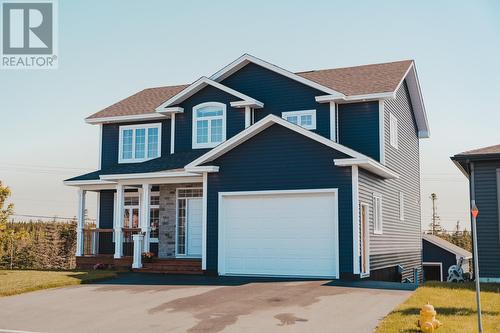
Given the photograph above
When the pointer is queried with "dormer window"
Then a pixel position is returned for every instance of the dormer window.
(139, 143)
(304, 118)
(209, 124)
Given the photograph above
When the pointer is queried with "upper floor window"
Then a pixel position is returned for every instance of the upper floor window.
(393, 130)
(209, 124)
(139, 143)
(304, 118)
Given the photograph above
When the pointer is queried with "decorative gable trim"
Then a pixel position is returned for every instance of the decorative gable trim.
(356, 158)
(245, 59)
(199, 85)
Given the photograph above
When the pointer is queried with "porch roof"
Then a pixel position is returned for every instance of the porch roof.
(174, 161)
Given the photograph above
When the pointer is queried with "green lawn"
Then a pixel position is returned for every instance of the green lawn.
(455, 305)
(20, 281)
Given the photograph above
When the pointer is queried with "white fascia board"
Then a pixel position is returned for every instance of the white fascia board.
(259, 127)
(247, 58)
(148, 175)
(197, 86)
(173, 109)
(242, 104)
(121, 119)
(86, 182)
(446, 247)
(355, 98)
(369, 165)
(202, 169)
(417, 102)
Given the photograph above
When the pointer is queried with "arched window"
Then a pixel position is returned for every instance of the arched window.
(209, 124)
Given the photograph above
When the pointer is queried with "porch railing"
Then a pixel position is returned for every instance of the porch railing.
(97, 241)
(101, 241)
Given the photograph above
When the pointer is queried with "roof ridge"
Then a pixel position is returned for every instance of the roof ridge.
(356, 66)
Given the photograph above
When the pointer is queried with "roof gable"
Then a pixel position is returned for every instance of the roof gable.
(199, 85)
(450, 247)
(356, 158)
(247, 58)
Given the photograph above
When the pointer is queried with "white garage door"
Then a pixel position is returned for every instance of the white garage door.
(279, 233)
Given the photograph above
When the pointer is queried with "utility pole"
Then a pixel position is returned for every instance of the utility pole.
(435, 218)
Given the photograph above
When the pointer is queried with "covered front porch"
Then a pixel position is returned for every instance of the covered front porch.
(154, 222)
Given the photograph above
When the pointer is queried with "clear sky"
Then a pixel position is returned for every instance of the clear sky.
(109, 50)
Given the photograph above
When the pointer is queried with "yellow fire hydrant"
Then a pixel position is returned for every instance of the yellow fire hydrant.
(428, 322)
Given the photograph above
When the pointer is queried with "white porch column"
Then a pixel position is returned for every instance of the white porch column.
(137, 259)
(118, 232)
(80, 222)
(248, 114)
(204, 223)
(145, 226)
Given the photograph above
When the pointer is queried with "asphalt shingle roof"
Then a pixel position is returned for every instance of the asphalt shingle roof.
(444, 244)
(482, 151)
(174, 161)
(351, 81)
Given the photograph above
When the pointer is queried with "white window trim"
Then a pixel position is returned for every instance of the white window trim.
(177, 197)
(136, 194)
(378, 231)
(209, 144)
(134, 127)
(393, 130)
(299, 113)
(401, 206)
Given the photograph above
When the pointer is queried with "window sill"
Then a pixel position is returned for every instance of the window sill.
(120, 161)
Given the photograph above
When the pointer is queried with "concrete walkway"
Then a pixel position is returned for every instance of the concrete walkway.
(199, 304)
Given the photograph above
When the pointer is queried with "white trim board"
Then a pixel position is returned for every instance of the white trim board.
(202, 83)
(245, 59)
(355, 218)
(128, 118)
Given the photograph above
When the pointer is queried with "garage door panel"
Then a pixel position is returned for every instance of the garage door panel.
(279, 234)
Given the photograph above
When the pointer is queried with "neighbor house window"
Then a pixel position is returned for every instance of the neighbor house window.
(304, 118)
(377, 213)
(393, 130)
(209, 124)
(139, 143)
(401, 206)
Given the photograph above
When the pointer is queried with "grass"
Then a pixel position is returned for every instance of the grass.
(455, 305)
(14, 282)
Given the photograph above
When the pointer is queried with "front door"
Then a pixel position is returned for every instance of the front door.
(194, 220)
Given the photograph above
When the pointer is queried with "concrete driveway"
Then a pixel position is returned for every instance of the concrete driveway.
(199, 304)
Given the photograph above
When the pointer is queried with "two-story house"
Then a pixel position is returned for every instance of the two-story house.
(256, 170)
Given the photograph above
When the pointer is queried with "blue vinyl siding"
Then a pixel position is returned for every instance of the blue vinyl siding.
(279, 94)
(358, 125)
(280, 159)
(111, 137)
(106, 209)
(235, 117)
(488, 223)
(433, 253)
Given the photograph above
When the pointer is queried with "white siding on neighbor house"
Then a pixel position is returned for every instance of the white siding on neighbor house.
(400, 242)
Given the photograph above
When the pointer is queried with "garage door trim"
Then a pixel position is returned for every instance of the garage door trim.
(221, 222)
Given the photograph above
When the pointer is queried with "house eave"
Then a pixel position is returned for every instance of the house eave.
(369, 165)
(123, 119)
(355, 98)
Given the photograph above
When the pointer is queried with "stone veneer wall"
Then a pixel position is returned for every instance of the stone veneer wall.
(166, 237)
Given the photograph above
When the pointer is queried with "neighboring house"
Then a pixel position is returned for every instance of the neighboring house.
(482, 168)
(260, 171)
(439, 255)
